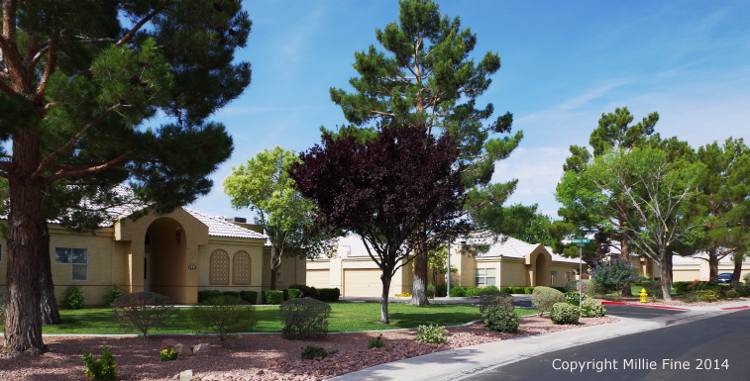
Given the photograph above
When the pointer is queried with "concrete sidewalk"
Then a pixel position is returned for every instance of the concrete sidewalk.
(456, 364)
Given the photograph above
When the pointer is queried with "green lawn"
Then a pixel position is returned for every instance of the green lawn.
(345, 317)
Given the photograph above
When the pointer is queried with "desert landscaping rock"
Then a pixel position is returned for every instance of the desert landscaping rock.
(183, 350)
(253, 357)
(168, 343)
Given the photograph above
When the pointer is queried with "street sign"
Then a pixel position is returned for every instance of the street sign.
(580, 241)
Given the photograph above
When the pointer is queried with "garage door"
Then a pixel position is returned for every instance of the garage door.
(319, 278)
(363, 282)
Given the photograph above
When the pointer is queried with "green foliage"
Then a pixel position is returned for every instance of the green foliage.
(458, 291)
(564, 313)
(273, 296)
(143, 310)
(73, 297)
(3, 296)
(430, 290)
(111, 295)
(573, 297)
(431, 334)
(376, 343)
(223, 315)
(104, 368)
(233, 294)
(304, 319)
(293, 293)
(311, 352)
(307, 291)
(591, 308)
(329, 294)
(441, 290)
(168, 354)
(612, 276)
(248, 296)
(501, 319)
(544, 298)
(492, 298)
(731, 294)
(707, 295)
(746, 278)
(528, 290)
(743, 291)
(205, 295)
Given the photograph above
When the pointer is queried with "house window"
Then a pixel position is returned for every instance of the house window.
(219, 267)
(485, 277)
(77, 258)
(241, 268)
(567, 275)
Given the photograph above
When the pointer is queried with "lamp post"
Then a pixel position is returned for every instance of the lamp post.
(580, 242)
(448, 282)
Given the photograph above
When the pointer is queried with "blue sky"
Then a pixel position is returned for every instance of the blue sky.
(563, 65)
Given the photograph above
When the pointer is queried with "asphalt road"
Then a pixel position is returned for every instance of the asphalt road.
(708, 349)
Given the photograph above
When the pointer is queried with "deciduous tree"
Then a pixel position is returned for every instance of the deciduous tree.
(77, 82)
(386, 191)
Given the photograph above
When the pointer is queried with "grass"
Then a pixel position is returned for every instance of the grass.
(345, 317)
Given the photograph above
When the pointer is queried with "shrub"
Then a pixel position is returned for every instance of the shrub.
(489, 288)
(113, 293)
(310, 352)
(544, 298)
(441, 290)
(292, 293)
(104, 368)
(431, 334)
(473, 291)
(143, 310)
(273, 296)
(304, 318)
(168, 354)
(707, 295)
(731, 294)
(490, 298)
(571, 285)
(588, 286)
(73, 297)
(742, 291)
(307, 291)
(561, 289)
(204, 295)
(564, 313)
(224, 315)
(592, 308)
(249, 296)
(329, 294)
(746, 278)
(430, 291)
(376, 343)
(458, 291)
(500, 319)
(233, 294)
(612, 276)
(507, 290)
(572, 297)
(528, 290)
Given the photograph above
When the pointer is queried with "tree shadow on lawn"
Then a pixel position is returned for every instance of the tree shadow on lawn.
(412, 319)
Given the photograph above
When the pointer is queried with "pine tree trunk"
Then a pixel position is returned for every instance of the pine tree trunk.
(737, 272)
(713, 266)
(386, 280)
(50, 313)
(664, 269)
(419, 285)
(23, 317)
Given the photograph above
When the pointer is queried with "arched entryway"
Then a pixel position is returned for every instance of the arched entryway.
(165, 259)
(541, 271)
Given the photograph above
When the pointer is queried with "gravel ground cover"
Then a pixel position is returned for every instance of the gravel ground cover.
(253, 357)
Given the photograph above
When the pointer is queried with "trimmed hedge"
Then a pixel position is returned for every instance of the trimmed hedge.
(329, 294)
(528, 290)
(205, 295)
(291, 293)
(249, 296)
(458, 291)
(273, 296)
(544, 298)
(592, 308)
(564, 313)
(233, 294)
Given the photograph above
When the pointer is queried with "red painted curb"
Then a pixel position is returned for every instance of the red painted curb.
(736, 308)
(647, 306)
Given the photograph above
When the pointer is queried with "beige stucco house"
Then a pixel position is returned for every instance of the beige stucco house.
(508, 262)
(175, 254)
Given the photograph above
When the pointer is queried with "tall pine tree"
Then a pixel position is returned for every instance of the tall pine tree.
(77, 81)
(426, 78)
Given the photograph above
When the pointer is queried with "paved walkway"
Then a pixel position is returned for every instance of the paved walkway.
(457, 364)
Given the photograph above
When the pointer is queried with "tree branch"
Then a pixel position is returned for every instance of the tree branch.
(7, 89)
(94, 168)
(48, 70)
(131, 33)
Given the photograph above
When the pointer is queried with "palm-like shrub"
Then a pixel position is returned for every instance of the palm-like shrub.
(592, 308)
(500, 319)
(304, 318)
(143, 310)
(544, 298)
(564, 313)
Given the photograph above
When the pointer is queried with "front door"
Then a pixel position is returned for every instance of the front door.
(146, 272)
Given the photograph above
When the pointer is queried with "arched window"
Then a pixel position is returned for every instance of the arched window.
(241, 268)
(219, 268)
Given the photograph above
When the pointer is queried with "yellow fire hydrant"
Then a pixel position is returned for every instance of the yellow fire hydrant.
(644, 294)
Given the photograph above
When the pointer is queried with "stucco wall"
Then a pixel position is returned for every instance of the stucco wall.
(231, 246)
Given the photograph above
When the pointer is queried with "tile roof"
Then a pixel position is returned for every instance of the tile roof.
(218, 227)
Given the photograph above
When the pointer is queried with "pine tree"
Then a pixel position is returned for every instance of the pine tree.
(78, 80)
(427, 79)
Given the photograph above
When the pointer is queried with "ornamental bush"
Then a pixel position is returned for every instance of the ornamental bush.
(304, 319)
(273, 296)
(224, 315)
(528, 290)
(104, 368)
(204, 295)
(329, 294)
(307, 291)
(592, 308)
(458, 291)
(564, 313)
(311, 352)
(731, 294)
(292, 293)
(612, 276)
(73, 297)
(431, 334)
(572, 297)
(168, 354)
(376, 343)
(473, 291)
(746, 278)
(143, 310)
(249, 296)
(113, 293)
(490, 298)
(500, 319)
(544, 298)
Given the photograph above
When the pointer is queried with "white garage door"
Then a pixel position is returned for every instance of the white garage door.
(363, 282)
(319, 278)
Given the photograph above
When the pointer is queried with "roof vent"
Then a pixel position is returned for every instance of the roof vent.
(241, 220)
